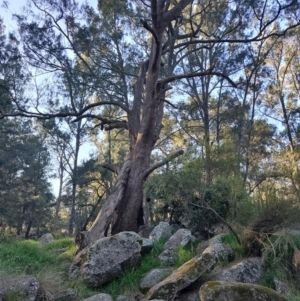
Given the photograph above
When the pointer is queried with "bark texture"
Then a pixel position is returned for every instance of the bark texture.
(123, 206)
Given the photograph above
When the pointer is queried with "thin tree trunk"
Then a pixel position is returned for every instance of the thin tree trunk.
(58, 201)
(74, 179)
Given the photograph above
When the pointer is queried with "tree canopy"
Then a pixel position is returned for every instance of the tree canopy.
(146, 82)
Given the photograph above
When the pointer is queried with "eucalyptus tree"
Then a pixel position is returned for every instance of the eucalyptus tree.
(281, 106)
(133, 52)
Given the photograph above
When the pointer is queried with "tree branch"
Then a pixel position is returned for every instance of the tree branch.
(221, 218)
(148, 171)
(149, 28)
(196, 74)
(111, 167)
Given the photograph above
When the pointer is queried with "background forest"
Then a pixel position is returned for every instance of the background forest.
(231, 77)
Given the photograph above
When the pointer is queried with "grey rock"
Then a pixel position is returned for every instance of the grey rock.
(68, 295)
(182, 277)
(167, 257)
(124, 298)
(145, 230)
(218, 239)
(99, 297)
(248, 270)
(220, 251)
(193, 270)
(220, 228)
(180, 238)
(234, 291)
(25, 288)
(153, 277)
(45, 239)
(281, 287)
(105, 260)
(145, 243)
(162, 230)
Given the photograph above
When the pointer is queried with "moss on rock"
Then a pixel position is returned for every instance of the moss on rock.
(182, 277)
(234, 291)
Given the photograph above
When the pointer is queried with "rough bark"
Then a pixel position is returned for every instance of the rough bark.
(144, 126)
(103, 220)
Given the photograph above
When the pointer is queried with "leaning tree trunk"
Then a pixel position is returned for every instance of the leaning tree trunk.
(144, 126)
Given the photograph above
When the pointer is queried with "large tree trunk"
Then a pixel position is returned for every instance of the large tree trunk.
(144, 125)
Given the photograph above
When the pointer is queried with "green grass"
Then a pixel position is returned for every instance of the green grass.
(49, 264)
(277, 254)
(230, 240)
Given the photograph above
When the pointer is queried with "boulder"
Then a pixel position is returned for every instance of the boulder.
(248, 270)
(45, 239)
(182, 277)
(106, 259)
(99, 297)
(153, 277)
(234, 291)
(180, 238)
(145, 243)
(191, 271)
(218, 239)
(24, 288)
(220, 252)
(167, 257)
(162, 230)
(145, 230)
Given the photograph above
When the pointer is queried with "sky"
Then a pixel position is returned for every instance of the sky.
(6, 12)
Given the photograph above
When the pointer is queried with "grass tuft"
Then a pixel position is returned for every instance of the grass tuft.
(230, 240)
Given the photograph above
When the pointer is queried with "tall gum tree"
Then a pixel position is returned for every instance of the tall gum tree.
(171, 26)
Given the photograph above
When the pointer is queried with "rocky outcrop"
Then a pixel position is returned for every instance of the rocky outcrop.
(153, 277)
(248, 270)
(162, 230)
(107, 258)
(191, 271)
(234, 291)
(45, 239)
(24, 288)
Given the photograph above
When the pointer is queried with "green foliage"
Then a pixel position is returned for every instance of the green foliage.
(278, 251)
(184, 254)
(49, 264)
(230, 240)
(181, 194)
